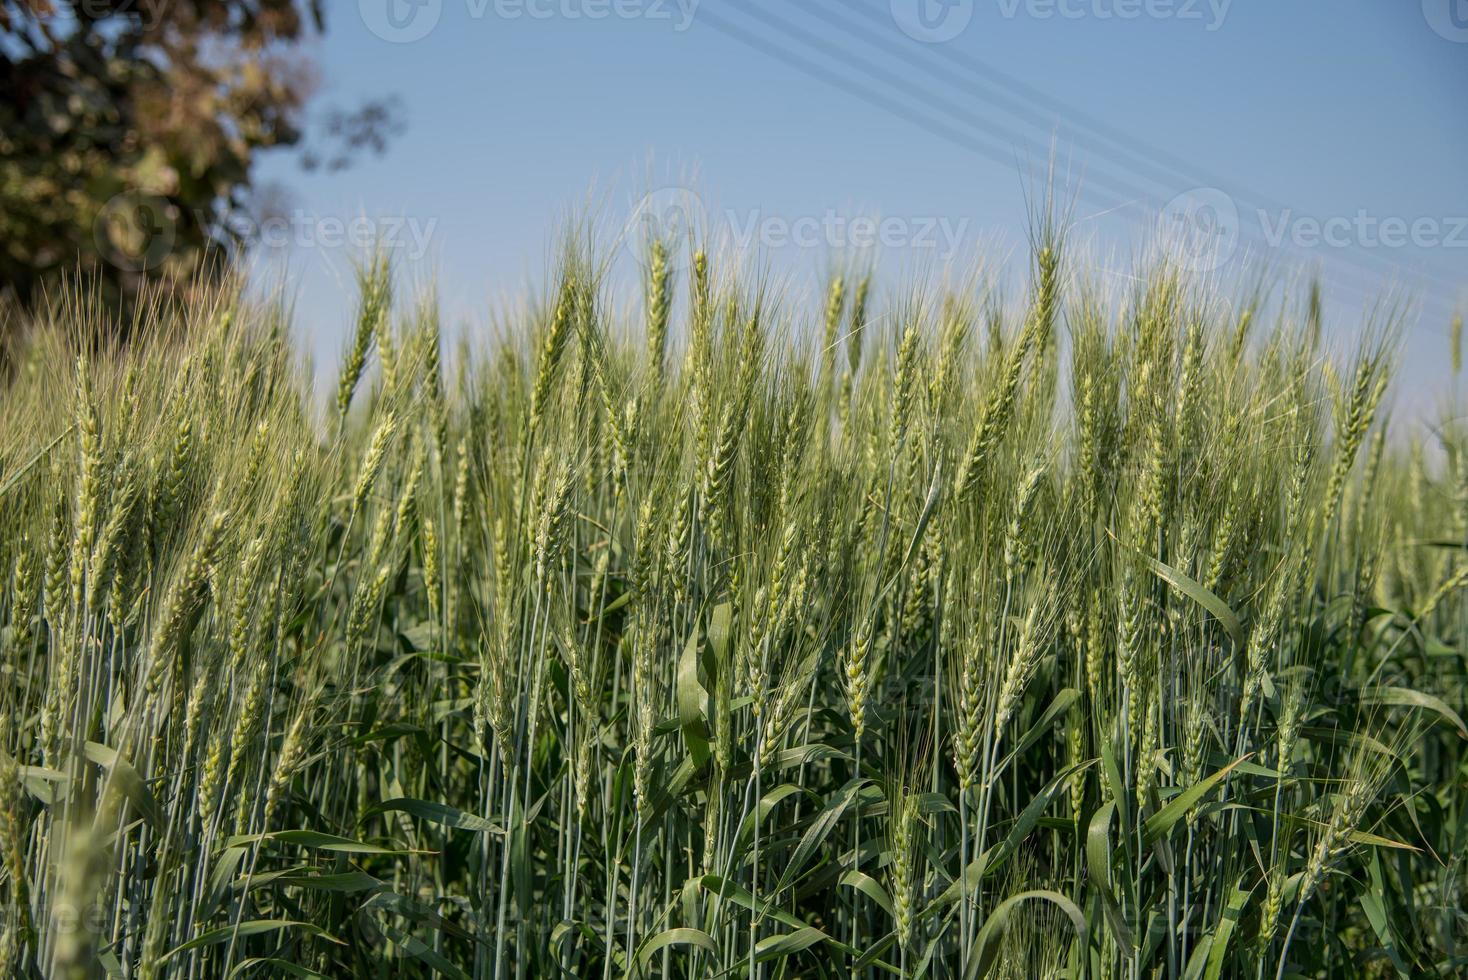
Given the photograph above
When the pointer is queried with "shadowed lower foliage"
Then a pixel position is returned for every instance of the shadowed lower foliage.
(1102, 636)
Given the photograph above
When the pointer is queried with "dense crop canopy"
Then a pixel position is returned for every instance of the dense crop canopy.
(1097, 635)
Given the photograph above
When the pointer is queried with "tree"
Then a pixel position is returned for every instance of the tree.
(129, 128)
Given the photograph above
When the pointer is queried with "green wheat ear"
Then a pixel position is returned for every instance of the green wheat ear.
(649, 635)
(1455, 343)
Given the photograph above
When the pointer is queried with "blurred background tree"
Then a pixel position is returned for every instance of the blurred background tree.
(128, 130)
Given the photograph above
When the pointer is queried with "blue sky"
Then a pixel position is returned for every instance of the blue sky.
(1312, 134)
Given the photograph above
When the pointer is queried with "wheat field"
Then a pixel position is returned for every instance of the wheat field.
(1096, 633)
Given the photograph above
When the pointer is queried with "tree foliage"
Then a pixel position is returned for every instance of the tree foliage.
(129, 130)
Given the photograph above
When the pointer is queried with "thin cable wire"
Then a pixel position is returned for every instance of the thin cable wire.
(944, 129)
(1020, 99)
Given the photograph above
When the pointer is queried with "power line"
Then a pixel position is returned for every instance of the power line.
(1017, 97)
(1007, 104)
(938, 127)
